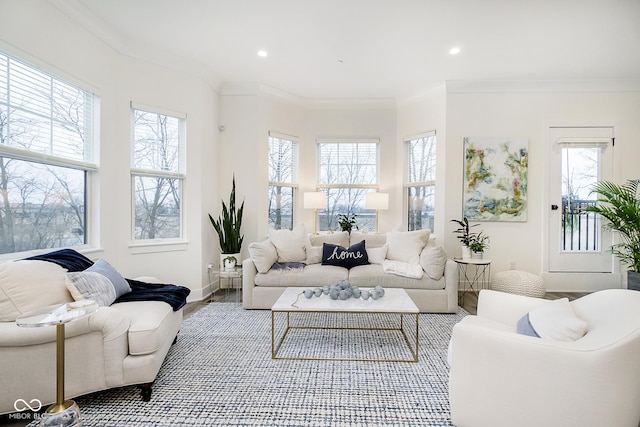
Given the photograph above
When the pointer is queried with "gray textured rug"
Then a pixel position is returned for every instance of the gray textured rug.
(220, 373)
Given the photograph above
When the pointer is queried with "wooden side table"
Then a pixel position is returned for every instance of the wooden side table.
(475, 274)
(63, 412)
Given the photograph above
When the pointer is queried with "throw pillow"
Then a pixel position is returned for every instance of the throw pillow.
(406, 246)
(377, 255)
(91, 285)
(263, 254)
(100, 282)
(341, 257)
(433, 260)
(314, 253)
(554, 320)
(289, 244)
(27, 285)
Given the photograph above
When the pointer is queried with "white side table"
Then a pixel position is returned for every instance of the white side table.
(63, 412)
(473, 275)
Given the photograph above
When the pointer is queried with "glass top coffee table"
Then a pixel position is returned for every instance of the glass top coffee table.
(380, 323)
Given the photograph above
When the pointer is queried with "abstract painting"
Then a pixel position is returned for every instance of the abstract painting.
(495, 179)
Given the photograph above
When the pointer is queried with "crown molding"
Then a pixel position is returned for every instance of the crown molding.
(542, 86)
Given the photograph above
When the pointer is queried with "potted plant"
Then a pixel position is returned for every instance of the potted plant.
(620, 205)
(479, 242)
(347, 222)
(228, 228)
(465, 235)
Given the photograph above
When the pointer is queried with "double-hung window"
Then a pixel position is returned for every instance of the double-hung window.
(157, 173)
(347, 171)
(420, 180)
(283, 179)
(46, 158)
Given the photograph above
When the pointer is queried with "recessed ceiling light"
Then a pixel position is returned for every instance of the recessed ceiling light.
(262, 53)
(454, 50)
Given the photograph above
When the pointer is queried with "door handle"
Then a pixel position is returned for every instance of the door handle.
(554, 207)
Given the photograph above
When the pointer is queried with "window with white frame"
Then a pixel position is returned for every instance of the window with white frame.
(46, 158)
(420, 180)
(283, 180)
(347, 171)
(157, 173)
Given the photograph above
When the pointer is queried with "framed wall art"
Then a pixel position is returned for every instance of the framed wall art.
(495, 179)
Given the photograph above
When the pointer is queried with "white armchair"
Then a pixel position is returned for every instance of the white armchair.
(501, 378)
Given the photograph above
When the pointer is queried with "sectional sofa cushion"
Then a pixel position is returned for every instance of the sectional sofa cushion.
(314, 242)
(290, 244)
(28, 284)
(433, 260)
(406, 246)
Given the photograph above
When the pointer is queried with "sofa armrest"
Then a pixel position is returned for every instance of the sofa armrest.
(110, 322)
(249, 272)
(504, 307)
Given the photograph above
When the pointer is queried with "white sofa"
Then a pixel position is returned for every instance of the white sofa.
(435, 291)
(121, 344)
(499, 377)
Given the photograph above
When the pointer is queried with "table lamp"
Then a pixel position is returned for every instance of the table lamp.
(315, 200)
(377, 201)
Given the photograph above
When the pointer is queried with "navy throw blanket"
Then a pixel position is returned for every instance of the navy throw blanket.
(175, 296)
(73, 261)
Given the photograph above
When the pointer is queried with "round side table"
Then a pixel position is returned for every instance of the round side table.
(476, 278)
(63, 412)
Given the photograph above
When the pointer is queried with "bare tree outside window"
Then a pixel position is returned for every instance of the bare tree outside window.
(157, 175)
(283, 165)
(420, 181)
(45, 155)
(347, 172)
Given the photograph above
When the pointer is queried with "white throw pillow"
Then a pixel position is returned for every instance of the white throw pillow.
(377, 255)
(554, 320)
(433, 260)
(263, 254)
(289, 244)
(406, 246)
(27, 284)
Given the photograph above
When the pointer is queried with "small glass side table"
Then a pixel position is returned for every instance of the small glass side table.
(63, 412)
(228, 279)
(476, 278)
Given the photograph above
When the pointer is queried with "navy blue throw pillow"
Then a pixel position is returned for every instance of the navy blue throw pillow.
(337, 255)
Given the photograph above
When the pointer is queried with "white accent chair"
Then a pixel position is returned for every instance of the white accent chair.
(501, 378)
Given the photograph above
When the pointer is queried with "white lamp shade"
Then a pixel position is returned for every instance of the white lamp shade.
(379, 201)
(315, 200)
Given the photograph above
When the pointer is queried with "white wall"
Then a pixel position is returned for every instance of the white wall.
(39, 33)
(519, 113)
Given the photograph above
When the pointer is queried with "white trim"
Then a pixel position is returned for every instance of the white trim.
(601, 142)
(347, 140)
(156, 173)
(156, 110)
(284, 136)
(37, 157)
(428, 134)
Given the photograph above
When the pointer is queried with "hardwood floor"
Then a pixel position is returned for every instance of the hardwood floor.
(470, 301)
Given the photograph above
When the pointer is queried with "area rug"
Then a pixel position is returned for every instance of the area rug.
(220, 373)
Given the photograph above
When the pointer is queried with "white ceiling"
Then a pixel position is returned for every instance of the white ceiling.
(388, 49)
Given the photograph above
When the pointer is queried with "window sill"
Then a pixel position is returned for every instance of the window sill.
(154, 246)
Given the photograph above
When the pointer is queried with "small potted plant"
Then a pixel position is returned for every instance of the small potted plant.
(228, 228)
(347, 222)
(465, 235)
(479, 242)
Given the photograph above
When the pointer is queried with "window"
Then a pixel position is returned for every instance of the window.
(46, 158)
(348, 170)
(283, 179)
(157, 173)
(420, 180)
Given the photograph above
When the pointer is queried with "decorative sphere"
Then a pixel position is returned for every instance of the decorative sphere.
(333, 293)
(308, 293)
(380, 290)
(356, 292)
(317, 292)
(365, 295)
(375, 294)
(325, 289)
(344, 294)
